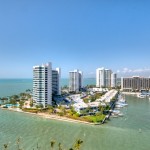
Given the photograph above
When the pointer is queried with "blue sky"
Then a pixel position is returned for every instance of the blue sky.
(83, 34)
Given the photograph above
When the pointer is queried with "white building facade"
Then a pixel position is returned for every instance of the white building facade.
(75, 80)
(105, 78)
(42, 84)
(45, 83)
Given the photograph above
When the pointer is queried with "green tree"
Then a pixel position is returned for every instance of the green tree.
(13, 101)
(52, 143)
(5, 146)
(101, 108)
(31, 103)
(59, 146)
(21, 103)
(18, 144)
(78, 144)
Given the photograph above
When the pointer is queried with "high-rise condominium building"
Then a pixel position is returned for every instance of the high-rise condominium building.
(75, 80)
(45, 81)
(105, 78)
(135, 83)
(56, 77)
(113, 80)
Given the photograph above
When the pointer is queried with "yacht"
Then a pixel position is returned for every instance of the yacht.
(141, 96)
(120, 115)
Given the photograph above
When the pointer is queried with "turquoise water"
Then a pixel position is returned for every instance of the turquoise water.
(10, 87)
(10, 105)
(130, 132)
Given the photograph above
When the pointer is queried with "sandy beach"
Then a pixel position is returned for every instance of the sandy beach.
(49, 116)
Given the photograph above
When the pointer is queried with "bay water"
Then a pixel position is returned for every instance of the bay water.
(10, 87)
(130, 132)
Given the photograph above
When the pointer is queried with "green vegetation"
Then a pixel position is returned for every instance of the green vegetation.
(94, 119)
(53, 145)
(91, 86)
(94, 97)
(14, 99)
(21, 103)
(31, 110)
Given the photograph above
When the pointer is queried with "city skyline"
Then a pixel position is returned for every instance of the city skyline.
(74, 34)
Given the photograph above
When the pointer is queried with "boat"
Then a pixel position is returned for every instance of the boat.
(141, 96)
(115, 112)
(121, 104)
(114, 115)
(121, 98)
(120, 115)
(118, 106)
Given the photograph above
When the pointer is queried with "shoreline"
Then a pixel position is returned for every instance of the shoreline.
(51, 117)
(131, 93)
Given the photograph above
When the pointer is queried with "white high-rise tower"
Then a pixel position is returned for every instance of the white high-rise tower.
(113, 80)
(42, 84)
(75, 80)
(45, 83)
(103, 77)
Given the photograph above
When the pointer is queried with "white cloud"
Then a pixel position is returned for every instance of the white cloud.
(126, 70)
(140, 71)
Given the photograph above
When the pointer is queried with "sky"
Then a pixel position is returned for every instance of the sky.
(74, 34)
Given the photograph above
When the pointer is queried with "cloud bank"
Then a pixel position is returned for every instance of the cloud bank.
(134, 72)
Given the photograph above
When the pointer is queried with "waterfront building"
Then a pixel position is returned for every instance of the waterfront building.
(113, 80)
(100, 76)
(42, 84)
(75, 80)
(135, 83)
(45, 82)
(56, 77)
(105, 78)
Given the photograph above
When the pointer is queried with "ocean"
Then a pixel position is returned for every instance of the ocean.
(130, 132)
(10, 87)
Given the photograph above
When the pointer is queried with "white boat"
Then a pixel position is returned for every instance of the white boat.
(115, 112)
(141, 96)
(122, 104)
(119, 106)
(114, 115)
(120, 115)
(121, 98)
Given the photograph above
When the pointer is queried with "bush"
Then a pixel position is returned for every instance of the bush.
(30, 110)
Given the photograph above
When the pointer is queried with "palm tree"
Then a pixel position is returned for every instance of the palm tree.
(5, 146)
(78, 144)
(52, 143)
(60, 146)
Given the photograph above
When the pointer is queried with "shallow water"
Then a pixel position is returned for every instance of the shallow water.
(130, 132)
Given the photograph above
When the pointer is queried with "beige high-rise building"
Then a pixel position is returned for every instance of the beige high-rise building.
(135, 83)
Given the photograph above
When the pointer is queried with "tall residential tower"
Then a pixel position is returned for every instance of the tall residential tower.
(42, 84)
(45, 83)
(75, 80)
(105, 78)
